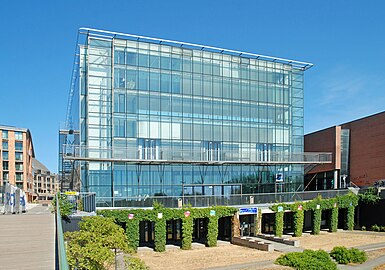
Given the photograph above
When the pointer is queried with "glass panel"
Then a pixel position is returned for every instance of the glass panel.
(132, 82)
(5, 145)
(19, 146)
(165, 82)
(18, 135)
(131, 58)
(18, 156)
(119, 56)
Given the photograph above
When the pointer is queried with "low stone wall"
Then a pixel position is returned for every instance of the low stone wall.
(286, 241)
(252, 243)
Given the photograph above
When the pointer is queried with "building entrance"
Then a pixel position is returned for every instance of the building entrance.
(146, 233)
(268, 223)
(174, 230)
(200, 230)
(224, 228)
(247, 225)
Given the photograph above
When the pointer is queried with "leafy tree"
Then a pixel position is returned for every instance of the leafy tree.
(95, 245)
(66, 207)
(370, 196)
(133, 263)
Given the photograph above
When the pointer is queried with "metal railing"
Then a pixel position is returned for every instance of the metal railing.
(161, 154)
(62, 263)
(207, 201)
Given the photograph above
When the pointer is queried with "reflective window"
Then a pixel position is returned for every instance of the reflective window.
(19, 146)
(5, 165)
(120, 78)
(18, 135)
(131, 58)
(19, 166)
(19, 176)
(119, 56)
(18, 156)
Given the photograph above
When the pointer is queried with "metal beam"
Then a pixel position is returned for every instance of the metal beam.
(196, 162)
(112, 34)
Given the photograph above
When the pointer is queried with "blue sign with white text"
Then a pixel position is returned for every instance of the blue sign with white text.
(248, 211)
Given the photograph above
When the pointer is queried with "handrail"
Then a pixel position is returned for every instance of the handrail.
(62, 256)
(202, 155)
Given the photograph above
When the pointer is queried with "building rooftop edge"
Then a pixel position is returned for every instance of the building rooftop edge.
(112, 34)
(345, 123)
(5, 127)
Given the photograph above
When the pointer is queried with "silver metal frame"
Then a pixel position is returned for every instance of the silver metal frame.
(201, 162)
(112, 34)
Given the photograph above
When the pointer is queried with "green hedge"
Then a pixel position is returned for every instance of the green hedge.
(349, 201)
(333, 223)
(344, 256)
(132, 225)
(187, 231)
(278, 225)
(317, 215)
(307, 260)
(344, 201)
(350, 218)
(298, 223)
(160, 235)
(132, 232)
(212, 231)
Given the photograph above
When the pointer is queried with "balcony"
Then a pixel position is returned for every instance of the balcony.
(207, 201)
(159, 155)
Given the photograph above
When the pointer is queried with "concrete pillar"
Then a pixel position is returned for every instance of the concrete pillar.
(335, 179)
(236, 226)
(258, 222)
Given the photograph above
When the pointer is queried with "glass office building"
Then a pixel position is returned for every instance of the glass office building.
(169, 120)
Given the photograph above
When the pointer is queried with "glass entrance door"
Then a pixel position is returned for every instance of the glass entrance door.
(247, 225)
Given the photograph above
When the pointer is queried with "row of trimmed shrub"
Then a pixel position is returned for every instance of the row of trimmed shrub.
(320, 259)
(374, 228)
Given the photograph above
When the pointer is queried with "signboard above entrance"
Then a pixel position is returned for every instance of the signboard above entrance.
(248, 211)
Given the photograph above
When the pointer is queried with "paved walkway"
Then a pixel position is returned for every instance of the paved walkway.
(27, 241)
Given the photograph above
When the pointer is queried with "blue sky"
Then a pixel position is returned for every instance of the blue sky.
(344, 39)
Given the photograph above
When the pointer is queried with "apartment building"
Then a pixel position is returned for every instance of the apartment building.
(16, 157)
(46, 184)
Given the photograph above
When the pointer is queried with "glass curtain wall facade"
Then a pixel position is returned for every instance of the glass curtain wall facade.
(144, 100)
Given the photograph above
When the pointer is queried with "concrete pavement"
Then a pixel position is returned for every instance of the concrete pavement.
(27, 241)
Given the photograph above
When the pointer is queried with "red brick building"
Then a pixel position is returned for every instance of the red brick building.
(358, 149)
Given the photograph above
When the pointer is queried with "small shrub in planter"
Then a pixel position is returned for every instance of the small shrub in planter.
(382, 228)
(307, 260)
(344, 256)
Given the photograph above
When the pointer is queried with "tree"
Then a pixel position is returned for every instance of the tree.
(65, 205)
(370, 196)
(95, 245)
